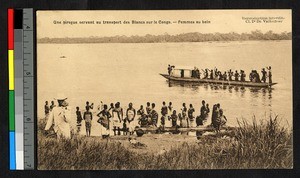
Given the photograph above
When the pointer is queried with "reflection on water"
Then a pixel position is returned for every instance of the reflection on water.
(237, 101)
(255, 92)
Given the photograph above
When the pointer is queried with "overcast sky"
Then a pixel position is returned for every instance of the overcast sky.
(222, 21)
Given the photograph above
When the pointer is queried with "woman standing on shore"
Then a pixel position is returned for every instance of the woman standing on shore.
(153, 115)
(104, 117)
(130, 115)
(88, 117)
(117, 118)
(191, 116)
(183, 120)
(170, 112)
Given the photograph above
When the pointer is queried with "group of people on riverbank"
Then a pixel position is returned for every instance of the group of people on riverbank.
(215, 74)
(114, 118)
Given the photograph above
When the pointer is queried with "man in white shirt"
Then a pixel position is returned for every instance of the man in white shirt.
(58, 118)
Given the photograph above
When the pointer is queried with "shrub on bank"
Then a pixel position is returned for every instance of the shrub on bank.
(263, 145)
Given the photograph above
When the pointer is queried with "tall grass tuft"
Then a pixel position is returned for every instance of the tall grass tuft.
(263, 145)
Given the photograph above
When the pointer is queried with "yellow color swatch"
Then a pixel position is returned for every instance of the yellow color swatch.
(11, 69)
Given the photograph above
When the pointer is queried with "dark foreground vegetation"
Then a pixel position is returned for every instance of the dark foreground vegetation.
(263, 145)
(184, 37)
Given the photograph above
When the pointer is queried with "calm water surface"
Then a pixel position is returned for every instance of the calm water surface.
(130, 73)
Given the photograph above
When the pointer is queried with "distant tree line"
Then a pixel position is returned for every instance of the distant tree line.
(184, 37)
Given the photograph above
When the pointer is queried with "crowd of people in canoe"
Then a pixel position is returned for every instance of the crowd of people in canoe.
(229, 75)
(114, 118)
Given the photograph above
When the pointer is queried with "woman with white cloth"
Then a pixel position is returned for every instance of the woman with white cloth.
(130, 115)
(104, 117)
(117, 118)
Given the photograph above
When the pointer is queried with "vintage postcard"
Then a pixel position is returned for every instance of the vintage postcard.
(172, 89)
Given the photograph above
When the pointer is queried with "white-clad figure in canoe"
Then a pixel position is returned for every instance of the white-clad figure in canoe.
(59, 118)
(130, 115)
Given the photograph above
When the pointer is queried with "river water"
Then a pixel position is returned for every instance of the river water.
(129, 72)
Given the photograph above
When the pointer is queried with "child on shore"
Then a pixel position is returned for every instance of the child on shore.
(174, 118)
(88, 117)
(79, 119)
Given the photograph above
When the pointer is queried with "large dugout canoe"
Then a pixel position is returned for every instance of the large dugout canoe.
(215, 81)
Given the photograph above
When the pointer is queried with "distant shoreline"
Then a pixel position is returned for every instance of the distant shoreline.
(185, 37)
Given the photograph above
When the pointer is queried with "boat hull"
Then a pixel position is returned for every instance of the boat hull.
(221, 82)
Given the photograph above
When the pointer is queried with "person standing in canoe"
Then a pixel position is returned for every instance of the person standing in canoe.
(205, 73)
(230, 74)
(130, 117)
(269, 74)
(169, 69)
(88, 117)
(264, 75)
(225, 76)
(191, 116)
(211, 74)
(59, 118)
(104, 117)
(236, 76)
(243, 76)
(117, 118)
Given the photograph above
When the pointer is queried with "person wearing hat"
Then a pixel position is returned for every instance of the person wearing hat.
(58, 118)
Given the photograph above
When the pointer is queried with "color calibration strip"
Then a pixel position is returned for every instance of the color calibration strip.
(21, 88)
(11, 86)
